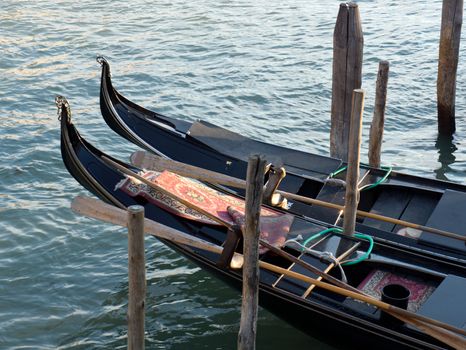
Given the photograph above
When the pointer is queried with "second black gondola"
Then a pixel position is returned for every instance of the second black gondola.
(427, 202)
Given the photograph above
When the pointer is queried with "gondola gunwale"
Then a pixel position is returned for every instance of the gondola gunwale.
(109, 94)
(311, 305)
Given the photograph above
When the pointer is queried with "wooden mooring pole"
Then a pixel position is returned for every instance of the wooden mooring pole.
(249, 305)
(352, 176)
(348, 45)
(378, 120)
(136, 277)
(450, 35)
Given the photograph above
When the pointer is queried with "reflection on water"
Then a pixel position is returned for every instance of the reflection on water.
(261, 70)
(446, 149)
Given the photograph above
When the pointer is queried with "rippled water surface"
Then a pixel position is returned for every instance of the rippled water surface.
(260, 68)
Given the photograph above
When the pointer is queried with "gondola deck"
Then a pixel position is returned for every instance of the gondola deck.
(323, 314)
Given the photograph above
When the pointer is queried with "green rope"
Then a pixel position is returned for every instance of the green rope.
(332, 229)
(366, 254)
(369, 186)
(357, 235)
(336, 172)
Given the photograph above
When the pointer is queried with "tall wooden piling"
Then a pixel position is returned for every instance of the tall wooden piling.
(450, 35)
(136, 277)
(378, 120)
(352, 176)
(348, 45)
(249, 305)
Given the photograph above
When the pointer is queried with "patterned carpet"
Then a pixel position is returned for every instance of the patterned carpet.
(377, 279)
(274, 225)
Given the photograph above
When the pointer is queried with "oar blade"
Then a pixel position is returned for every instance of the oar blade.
(96, 209)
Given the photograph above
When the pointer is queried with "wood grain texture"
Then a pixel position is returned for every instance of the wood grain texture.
(348, 45)
(149, 161)
(250, 300)
(450, 36)
(136, 277)
(95, 208)
(199, 173)
(352, 173)
(378, 119)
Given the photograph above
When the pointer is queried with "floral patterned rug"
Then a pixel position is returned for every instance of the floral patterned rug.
(274, 225)
(377, 279)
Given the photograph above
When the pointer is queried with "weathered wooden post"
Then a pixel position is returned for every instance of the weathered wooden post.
(249, 305)
(348, 45)
(378, 120)
(136, 277)
(450, 35)
(352, 176)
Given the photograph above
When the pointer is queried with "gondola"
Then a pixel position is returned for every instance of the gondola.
(428, 202)
(435, 283)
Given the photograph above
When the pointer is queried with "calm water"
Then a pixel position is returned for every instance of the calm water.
(63, 278)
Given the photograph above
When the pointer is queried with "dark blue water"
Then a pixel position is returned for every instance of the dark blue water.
(262, 69)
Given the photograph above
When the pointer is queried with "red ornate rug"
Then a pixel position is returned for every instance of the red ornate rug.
(135, 188)
(377, 279)
(274, 225)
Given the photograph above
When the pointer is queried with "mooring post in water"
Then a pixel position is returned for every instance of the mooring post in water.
(249, 305)
(450, 35)
(348, 45)
(378, 120)
(136, 277)
(352, 175)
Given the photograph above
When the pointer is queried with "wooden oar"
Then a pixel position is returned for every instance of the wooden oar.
(394, 313)
(97, 209)
(181, 169)
(228, 225)
(374, 216)
(146, 160)
(190, 205)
